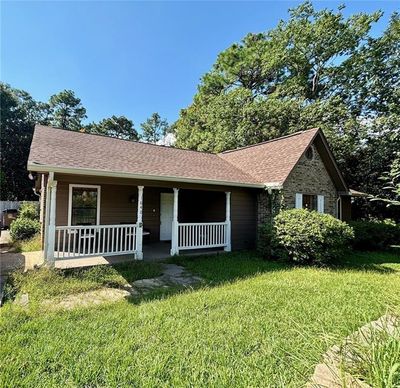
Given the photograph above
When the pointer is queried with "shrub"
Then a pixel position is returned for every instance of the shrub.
(264, 241)
(29, 210)
(24, 228)
(309, 237)
(32, 244)
(375, 235)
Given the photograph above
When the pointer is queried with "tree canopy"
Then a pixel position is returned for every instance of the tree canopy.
(320, 69)
(154, 128)
(66, 110)
(115, 126)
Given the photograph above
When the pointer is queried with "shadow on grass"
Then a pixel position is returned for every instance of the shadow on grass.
(383, 262)
(215, 270)
(219, 269)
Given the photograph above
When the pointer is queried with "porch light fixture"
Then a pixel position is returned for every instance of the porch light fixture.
(132, 199)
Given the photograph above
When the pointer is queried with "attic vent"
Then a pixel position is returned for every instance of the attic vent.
(310, 153)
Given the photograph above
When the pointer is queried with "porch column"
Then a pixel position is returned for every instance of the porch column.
(51, 229)
(139, 223)
(228, 248)
(174, 238)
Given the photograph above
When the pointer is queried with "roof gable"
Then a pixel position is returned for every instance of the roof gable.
(271, 162)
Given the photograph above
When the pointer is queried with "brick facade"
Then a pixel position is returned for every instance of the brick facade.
(307, 177)
(310, 177)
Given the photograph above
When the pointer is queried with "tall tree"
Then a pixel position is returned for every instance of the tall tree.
(18, 112)
(115, 126)
(154, 128)
(67, 110)
(317, 69)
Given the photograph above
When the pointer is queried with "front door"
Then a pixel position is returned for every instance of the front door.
(166, 216)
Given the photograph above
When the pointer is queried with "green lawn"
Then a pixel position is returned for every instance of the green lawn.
(254, 323)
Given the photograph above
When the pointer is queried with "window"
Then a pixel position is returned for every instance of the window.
(309, 202)
(84, 205)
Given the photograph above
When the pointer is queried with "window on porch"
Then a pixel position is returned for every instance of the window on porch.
(84, 205)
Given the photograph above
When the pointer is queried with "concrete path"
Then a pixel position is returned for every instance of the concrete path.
(5, 238)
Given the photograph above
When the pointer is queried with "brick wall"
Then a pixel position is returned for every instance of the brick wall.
(310, 177)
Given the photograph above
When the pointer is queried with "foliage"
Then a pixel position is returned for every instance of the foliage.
(29, 210)
(264, 239)
(30, 245)
(18, 112)
(375, 357)
(264, 324)
(317, 69)
(309, 237)
(119, 127)
(24, 228)
(67, 111)
(392, 184)
(155, 128)
(375, 235)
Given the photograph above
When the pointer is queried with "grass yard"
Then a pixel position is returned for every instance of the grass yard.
(254, 323)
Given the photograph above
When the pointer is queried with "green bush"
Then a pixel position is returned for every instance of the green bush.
(375, 235)
(264, 241)
(24, 228)
(309, 237)
(29, 210)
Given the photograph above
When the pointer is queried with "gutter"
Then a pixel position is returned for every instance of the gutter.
(32, 166)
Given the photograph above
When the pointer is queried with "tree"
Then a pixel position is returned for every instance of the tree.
(119, 127)
(67, 111)
(18, 112)
(154, 128)
(317, 69)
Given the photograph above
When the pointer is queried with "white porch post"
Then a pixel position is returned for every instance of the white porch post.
(51, 228)
(174, 238)
(228, 247)
(139, 223)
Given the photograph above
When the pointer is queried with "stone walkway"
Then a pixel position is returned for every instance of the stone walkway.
(172, 276)
(328, 374)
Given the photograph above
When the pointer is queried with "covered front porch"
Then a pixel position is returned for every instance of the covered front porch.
(89, 221)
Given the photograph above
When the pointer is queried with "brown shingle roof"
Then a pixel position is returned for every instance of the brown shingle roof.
(67, 149)
(265, 163)
(272, 161)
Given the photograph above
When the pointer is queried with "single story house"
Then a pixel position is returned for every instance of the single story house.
(106, 196)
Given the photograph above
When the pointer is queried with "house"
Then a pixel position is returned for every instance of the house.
(106, 196)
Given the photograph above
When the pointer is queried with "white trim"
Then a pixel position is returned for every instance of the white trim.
(299, 201)
(320, 204)
(52, 222)
(139, 223)
(94, 172)
(175, 225)
(228, 246)
(71, 186)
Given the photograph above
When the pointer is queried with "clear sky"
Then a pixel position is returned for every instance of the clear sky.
(132, 58)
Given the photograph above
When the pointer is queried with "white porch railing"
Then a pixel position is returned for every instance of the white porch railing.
(202, 235)
(94, 240)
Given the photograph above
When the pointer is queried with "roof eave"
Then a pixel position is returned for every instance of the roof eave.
(33, 166)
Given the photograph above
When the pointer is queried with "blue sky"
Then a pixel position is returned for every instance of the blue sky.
(132, 58)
